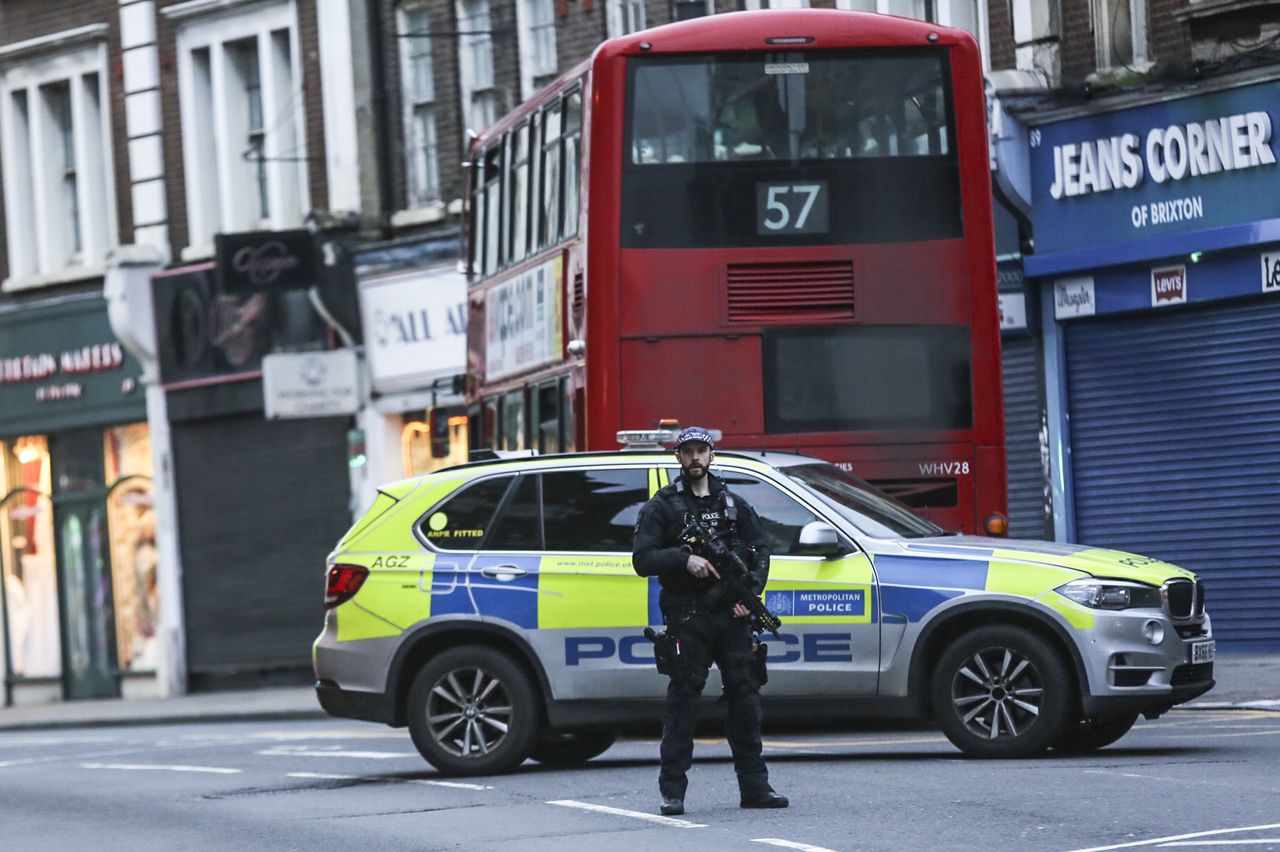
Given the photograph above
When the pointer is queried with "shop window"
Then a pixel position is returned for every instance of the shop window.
(519, 526)
(57, 184)
(430, 440)
(131, 526)
(593, 510)
(27, 551)
(461, 522)
(241, 101)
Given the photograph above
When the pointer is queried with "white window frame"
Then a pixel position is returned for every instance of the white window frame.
(1099, 13)
(225, 199)
(422, 185)
(536, 25)
(36, 210)
(944, 12)
(623, 17)
(475, 66)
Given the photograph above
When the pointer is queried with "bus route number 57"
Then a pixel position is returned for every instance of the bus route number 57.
(791, 208)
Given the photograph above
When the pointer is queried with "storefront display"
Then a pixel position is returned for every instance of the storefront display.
(74, 445)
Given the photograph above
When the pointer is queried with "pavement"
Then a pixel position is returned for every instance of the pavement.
(1249, 681)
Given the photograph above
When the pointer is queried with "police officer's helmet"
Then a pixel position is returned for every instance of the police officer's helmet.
(695, 433)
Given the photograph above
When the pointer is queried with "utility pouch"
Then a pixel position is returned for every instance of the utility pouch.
(759, 669)
(666, 650)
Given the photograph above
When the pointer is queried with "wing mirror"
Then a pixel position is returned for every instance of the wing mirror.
(818, 538)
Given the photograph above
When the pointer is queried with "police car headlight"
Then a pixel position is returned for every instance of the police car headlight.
(1110, 594)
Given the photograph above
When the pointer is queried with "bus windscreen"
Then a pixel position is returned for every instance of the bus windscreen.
(825, 148)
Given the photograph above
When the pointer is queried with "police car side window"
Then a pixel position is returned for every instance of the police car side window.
(461, 521)
(780, 515)
(593, 509)
(518, 526)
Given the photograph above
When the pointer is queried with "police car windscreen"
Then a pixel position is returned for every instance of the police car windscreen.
(873, 512)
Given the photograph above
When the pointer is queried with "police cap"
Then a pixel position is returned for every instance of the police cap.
(695, 433)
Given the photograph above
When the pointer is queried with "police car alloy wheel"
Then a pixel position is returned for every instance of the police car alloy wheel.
(472, 711)
(1002, 692)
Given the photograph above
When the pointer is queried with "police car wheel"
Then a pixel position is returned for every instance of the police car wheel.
(1092, 734)
(472, 711)
(1002, 692)
(570, 747)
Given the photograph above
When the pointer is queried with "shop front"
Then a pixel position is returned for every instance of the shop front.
(1158, 249)
(77, 523)
(259, 502)
(414, 318)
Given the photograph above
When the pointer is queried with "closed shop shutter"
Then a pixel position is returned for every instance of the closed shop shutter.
(1175, 433)
(1022, 412)
(260, 505)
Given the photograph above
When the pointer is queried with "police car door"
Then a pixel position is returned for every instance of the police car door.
(592, 606)
(830, 639)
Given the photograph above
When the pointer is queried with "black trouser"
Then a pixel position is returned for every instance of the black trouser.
(719, 637)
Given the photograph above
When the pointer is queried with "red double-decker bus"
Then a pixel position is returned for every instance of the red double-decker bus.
(774, 223)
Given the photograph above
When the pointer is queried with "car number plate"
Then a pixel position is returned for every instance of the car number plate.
(1202, 652)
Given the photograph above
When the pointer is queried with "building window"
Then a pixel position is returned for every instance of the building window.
(421, 148)
(240, 89)
(1120, 33)
(624, 16)
(537, 44)
(965, 14)
(479, 98)
(55, 142)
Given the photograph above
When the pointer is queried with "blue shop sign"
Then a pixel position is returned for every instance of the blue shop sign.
(1132, 184)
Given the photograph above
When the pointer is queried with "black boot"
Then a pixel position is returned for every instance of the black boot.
(767, 799)
(671, 806)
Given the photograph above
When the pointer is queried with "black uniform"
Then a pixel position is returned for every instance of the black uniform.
(704, 623)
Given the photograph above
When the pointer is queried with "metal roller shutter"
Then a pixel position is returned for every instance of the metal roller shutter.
(260, 505)
(1022, 411)
(1175, 433)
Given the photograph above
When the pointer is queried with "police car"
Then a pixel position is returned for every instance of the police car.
(493, 609)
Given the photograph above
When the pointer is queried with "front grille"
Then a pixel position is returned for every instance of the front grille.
(1190, 631)
(789, 292)
(1199, 606)
(1179, 596)
(1191, 673)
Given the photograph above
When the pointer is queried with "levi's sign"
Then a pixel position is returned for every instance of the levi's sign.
(1168, 286)
(1174, 167)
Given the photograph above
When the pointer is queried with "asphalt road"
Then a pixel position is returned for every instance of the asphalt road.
(1191, 779)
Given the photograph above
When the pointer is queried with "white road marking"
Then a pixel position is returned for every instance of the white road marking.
(604, 809)
(1160, 841)
(322, 775)
(1256, 842)
(216, 770)
(296, 751)
(791, 844)
(25, 742)
(1264, 732)
(456, 784)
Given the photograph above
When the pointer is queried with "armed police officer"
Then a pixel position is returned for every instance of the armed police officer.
(702, 622)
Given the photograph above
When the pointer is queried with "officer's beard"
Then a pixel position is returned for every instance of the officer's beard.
(693, 471)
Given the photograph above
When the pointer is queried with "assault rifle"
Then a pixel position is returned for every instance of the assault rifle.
(737, 579)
